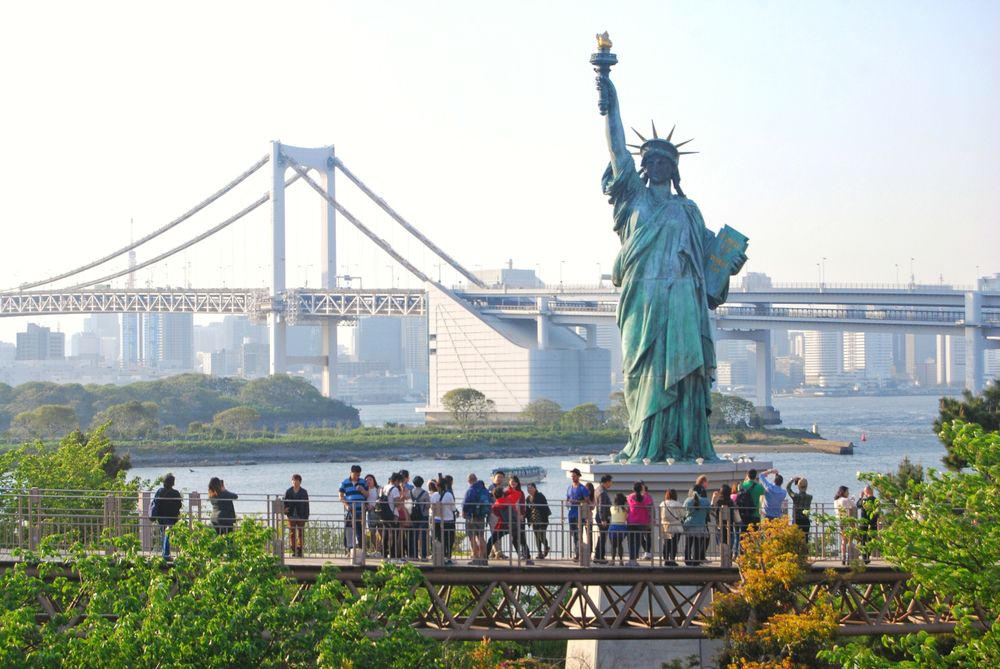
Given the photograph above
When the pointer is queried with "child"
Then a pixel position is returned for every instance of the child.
(618, 527)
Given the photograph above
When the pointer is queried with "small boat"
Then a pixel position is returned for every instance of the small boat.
(864, 436)
(527, 474)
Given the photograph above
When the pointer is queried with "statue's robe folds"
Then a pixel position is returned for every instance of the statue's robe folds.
(668, 353)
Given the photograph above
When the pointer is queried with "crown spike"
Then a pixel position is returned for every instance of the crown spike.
(680, 144)
(686, 153)
(671, 135)
(637, 133)
(653, 123)
(633, 146)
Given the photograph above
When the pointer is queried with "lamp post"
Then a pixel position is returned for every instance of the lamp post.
(822, 275)
(392, 276)
(561, 263)
(897, 274)
(913, 280)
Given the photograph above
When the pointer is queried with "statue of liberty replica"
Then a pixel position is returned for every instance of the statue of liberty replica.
(671, 270)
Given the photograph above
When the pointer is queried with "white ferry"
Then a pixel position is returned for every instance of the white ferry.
(530, 474)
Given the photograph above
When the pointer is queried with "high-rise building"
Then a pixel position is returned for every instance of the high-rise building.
(415, 356)
(131, 341)
(823, 357)
(40, 343)
(868, 355)
(176, 342)
(380, 339)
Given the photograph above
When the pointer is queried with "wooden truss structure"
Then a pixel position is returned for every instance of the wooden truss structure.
(642, 603)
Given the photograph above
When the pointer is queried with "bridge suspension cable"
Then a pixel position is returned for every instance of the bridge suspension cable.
(407, 226)
(191, 242)
(156, 233)
(381, 243)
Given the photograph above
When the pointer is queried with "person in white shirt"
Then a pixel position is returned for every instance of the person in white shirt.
(846, 511)
(671, 526)
(443, 509)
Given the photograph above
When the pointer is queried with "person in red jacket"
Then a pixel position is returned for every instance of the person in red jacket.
(506, 510)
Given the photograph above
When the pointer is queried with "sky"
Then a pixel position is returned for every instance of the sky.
(856, 140)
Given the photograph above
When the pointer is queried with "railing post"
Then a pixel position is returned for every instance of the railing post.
(34, 518)
(109, 522)
(275, 512)
(194, 502)
(584, 529)
(360, 556)
(437, 547)
(145, 522)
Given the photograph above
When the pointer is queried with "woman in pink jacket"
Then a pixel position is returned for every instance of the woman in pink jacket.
(640, 520)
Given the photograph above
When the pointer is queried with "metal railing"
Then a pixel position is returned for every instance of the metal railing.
(557, 531)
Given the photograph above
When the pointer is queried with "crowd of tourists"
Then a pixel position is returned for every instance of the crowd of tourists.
(405, 517)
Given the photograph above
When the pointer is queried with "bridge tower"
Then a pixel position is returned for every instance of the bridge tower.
(323, 160)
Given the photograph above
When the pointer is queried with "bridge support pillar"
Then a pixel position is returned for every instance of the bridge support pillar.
(542, 323)
(637, 653)
(765, 367)
(328, 278)
(975, 343)
(329, 354)
(275, 318)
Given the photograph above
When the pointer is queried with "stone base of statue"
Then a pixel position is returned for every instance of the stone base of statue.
(661, 476)
(639, 653)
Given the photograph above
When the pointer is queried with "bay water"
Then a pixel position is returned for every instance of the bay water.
(895, 427)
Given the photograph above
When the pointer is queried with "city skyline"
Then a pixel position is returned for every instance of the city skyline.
(847, 150)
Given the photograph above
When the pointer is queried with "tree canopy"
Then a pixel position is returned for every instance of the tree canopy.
(945, 531)
(982, 409)
(583, 417)
(467, 405)
(179, 400)
(131, 420)
(48, 421)
(543, 413)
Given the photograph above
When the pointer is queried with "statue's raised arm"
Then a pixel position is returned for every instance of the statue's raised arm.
(608, 104)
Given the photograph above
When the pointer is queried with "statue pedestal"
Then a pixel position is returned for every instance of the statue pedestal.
(659, 476)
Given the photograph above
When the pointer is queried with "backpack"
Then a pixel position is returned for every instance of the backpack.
(418, 512)
(484, 502)
(744, 506)
(384, 508)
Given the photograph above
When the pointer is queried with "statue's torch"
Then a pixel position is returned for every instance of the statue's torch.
(602, 62)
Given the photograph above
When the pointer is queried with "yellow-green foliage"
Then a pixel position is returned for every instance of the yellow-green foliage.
(759, 621)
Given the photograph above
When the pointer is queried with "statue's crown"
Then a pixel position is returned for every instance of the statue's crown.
(660, 145)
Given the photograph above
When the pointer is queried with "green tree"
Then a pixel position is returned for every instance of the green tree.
(618, 411)
(79, 462)
(467, 405)
(944, 531)
(283, 399)
(45, 422)
(543, 413)
(906, 472)
(32, 395)
(131, 420)
(582, 417)
(238, 421)
(983, 410)
(127, 610)
(733, 411)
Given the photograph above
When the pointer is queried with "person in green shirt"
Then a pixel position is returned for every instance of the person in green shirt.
(747, 505)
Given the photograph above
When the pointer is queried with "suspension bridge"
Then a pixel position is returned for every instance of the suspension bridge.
(464, 350)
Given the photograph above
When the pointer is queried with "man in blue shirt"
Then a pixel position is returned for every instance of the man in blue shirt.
(354, 494)
(774, 495)
(576, 494)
